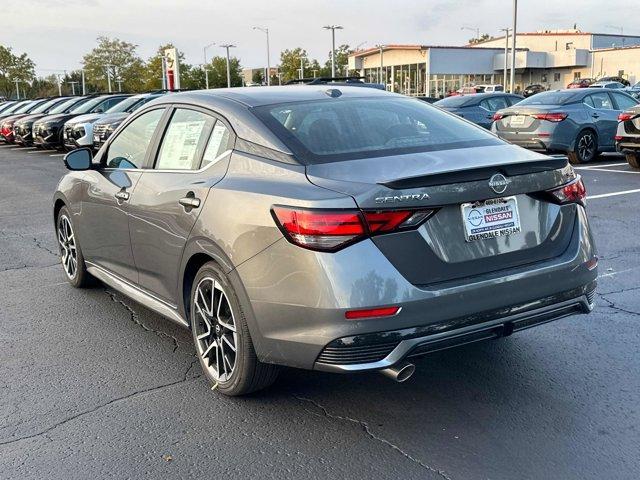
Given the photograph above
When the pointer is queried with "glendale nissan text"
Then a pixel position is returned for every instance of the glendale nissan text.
(325, 227)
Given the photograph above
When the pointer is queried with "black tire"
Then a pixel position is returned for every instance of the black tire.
(585, 148)
(633, 159)
(80, 277)
(248, 374)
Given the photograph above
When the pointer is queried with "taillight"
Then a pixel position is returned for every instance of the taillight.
(331, 230)
(572, 192)
(626, 116)
(372, 313)
(498, 116)
(550, 117)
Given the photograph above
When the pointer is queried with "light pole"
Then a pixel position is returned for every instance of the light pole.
(108, 67)
(279, 78)
(59, 84)
(227, 47)
(266, 31)
(513, 48)
(506, 55)
(17, 89)
(73, 87)
(84, 88)
(333, 29)
(381, 48)
(206, 72)
(473, 29)
(301, 68)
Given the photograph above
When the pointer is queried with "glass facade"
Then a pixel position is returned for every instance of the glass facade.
(412, 80)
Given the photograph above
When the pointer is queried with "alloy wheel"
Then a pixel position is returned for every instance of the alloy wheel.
(215, 329)
(586, 147)
(68, 249)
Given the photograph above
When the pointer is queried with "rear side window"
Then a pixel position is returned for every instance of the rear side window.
(493, 104)
(337, 129)
(600, 100)
(184, 141)
(624, 102)
(549, 98)
(219, 142)
(129, 148)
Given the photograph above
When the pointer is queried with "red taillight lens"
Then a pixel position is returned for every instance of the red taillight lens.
(550, 117)
(372, 313)
(626, 116)
(330, 230)
(573, 192)
(497, 116)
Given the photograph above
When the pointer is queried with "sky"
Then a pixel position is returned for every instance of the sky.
(57, 33)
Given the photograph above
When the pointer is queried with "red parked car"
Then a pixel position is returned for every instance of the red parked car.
(581, 83)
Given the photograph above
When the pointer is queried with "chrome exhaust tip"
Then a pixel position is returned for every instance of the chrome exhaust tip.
(399, 373)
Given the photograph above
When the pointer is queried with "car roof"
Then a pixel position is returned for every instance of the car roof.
(258, 96)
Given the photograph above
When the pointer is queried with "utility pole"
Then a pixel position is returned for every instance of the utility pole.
(84, 89)
(73, 87)
(206, 71)
(380, 79)
(227, 47)
(333, 29)
(506, 55)
(513, 48)
(266, 31)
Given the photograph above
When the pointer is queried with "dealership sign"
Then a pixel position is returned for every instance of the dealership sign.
(172, 69)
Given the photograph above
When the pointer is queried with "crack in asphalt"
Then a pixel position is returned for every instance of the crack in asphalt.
(611, 304)
(22, 267)
(367, 430)
(135, 319)
(35, 240)
(106, 404)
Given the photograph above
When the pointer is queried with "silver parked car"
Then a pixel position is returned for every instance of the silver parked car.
(340, 229)
(628, 135)
(580, 122)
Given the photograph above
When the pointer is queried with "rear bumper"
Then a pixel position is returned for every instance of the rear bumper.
(381, 350)
(542, 141)
(628, 144)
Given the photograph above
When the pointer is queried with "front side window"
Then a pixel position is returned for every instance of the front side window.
(185, 140)
(331, 130)
(129, 148)
(600, 100)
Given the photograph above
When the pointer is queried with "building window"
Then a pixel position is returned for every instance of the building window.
(621, 73)
(556, 77)
(576, 75)
(568, 46)
(543, 78)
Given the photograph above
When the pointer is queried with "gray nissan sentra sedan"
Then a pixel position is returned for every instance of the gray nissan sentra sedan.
(337, 229)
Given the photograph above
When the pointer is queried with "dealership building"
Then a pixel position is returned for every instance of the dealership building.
(551, 58)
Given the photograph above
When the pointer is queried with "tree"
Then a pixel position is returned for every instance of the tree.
(483, 38)
(258, 77)
(218, 72)
(342, 60)
(120, 60)
(14, 68)
(290, 64)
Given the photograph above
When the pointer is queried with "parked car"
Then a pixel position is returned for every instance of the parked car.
(616, 78)
(16, 108)
(23, 128)
(489, 88)
(48, 131)
(478, 108)
(533, 89)
(581, 83)
(628, 135)
(428, 99)
(78, 132)
(578, 122)
(6, 105)
(106, 124)
(314, 228)
(613, 85)
(6, 127)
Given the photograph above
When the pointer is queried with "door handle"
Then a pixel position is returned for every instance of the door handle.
(595, 115)
(190, 201)
(122, 195)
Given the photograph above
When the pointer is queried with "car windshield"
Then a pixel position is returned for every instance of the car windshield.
(64, 106)
(24, 107)
(6, 107)
(338, 129)
(87, 106)
(46, 105)
(454, 101)
(549, 98)
(125, 104)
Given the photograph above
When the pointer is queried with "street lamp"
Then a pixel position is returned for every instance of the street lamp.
(266, 31)
(301, 69)
(473, 29)
(381, 48)
(513, 48)
(333, 29)
(506, 55)
(73, 86)
(108, 67)
(227, 47)
(204, 65)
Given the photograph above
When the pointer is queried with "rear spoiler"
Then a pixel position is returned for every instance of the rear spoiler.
(478, 174)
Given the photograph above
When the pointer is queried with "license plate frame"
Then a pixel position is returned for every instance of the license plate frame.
(517, 120)
(491, 218)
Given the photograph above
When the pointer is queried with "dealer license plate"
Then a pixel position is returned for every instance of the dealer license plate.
(490, 218)
(517, 120)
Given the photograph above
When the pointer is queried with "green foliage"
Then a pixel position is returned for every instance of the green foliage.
(120, 59)
(14, 67)
(218, 72)
(290, 61)
(342, 60)
(258, 77)
(483, 38)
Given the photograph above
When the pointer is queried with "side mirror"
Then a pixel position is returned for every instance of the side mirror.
(79, 159)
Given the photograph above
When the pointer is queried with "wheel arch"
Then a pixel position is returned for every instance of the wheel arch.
(588, 128)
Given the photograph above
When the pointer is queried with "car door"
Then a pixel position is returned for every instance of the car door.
(604, 116)
(105, 224)
(192, 156)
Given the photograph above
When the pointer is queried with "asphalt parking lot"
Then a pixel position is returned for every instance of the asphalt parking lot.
(92, 385)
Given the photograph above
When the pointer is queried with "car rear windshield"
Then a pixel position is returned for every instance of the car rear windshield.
(337, 129)
(455, 101)
(549, 98)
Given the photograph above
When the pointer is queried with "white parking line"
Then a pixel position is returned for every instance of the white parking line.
(613, 274)
(591, 167)
(58, 155)
(613, 171)
(36, 151)
(613, 194)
